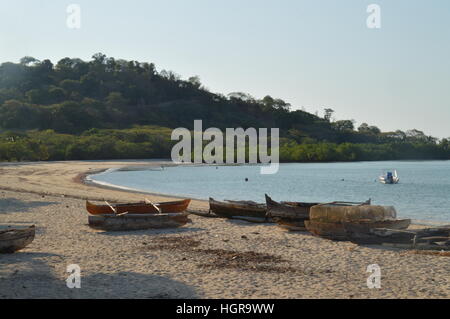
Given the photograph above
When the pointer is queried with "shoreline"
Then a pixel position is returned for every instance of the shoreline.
(108, 186)
(209, 258)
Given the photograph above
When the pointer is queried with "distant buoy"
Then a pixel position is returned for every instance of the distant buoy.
(246, 179)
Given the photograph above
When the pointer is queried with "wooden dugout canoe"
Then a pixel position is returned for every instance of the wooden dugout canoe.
(14, 239)
(293, 210)
(292, 215)
(405, 238)
(111, 222)
(340, 213)
(230, 209)
(353, 230)
(291, 224)
(139, 207)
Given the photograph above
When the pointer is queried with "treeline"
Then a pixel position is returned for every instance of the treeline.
(154, 142)
(109, 108)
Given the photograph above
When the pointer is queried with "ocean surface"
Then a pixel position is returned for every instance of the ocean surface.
(423, 193)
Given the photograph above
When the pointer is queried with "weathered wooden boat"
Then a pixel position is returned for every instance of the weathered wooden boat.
(365, 226)
(292, 215)
(114, 222)
(230, 209)
(15, 239)
(139, 207)
(411, 238)
(333, 231)
(291, 210)
(347, 230)
(288, 215)
(291, 224)
(343, 212)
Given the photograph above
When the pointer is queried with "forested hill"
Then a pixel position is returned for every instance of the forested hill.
(42, 103)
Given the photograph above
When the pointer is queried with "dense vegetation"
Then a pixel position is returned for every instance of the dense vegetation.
(116, 109)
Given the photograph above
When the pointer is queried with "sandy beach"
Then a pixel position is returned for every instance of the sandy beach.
(208, 258)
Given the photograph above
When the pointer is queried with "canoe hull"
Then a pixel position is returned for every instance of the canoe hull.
(349, 231)
(381, 236)
(340, 214)
(139, 208)
(138, 221)
(235, 208)
(288, 210)
(332, 231)
(291, 224)
(13, 240)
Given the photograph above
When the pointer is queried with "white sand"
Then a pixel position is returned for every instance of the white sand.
(200, 260)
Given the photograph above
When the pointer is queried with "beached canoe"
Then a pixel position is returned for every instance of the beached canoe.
(288, 215)
(139, 207)
(292, 215)
(14, 239)
(408, 238)
(333, 231)
(347, 230)
(230, 209)
(362, 227)
(112, 222)
(343, 212)
(291, 224)
(291, 210)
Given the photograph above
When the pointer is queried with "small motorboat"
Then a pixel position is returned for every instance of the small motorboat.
(390, 178)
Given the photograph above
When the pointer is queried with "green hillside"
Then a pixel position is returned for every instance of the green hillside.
(108, 108)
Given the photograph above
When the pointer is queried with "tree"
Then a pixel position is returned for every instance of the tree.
(195, 82)
(365, 128)
(276, 104)
(27, 60)
(328, 114)
(344, 125)
(116, 100)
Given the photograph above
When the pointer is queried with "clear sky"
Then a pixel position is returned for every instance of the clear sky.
(311, 53)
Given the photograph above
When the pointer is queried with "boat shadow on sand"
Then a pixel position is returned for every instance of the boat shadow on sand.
(148, 232)
(240, 222)
(12, 205)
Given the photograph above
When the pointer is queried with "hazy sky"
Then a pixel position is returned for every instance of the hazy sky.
(311, 53)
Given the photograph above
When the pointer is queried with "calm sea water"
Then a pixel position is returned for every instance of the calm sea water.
(423, 192)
